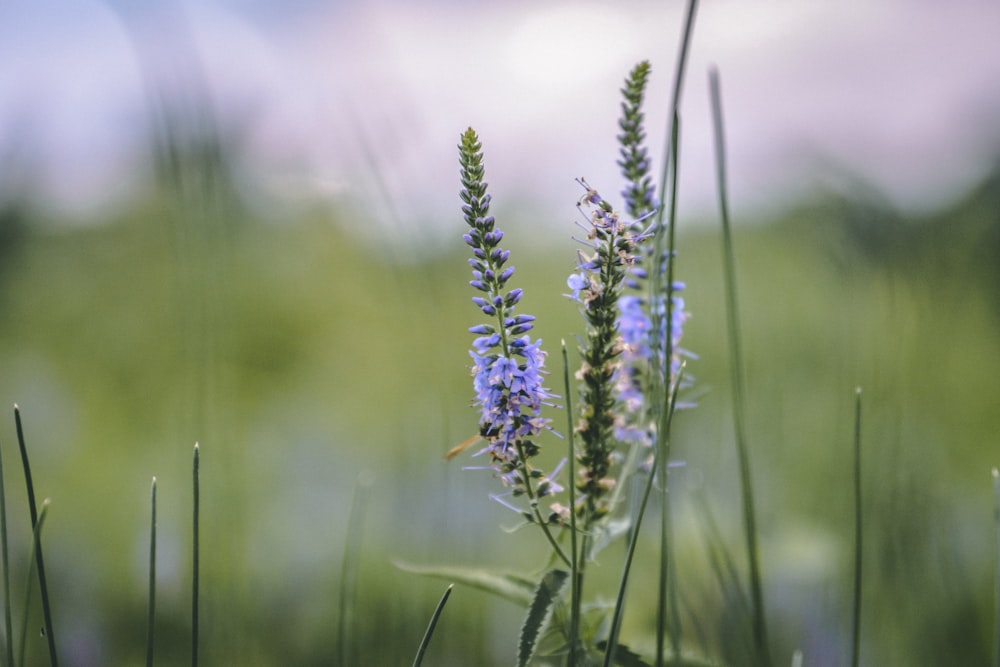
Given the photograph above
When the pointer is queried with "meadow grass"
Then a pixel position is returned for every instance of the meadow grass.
(715, 615)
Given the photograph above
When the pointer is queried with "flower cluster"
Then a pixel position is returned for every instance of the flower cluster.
(642, 313)
(634, 161)
(597, 286)
(507, 365)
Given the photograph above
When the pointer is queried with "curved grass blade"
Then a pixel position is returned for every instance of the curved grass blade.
(430, 628)
(4, 553)
(39, 560)
(549, 593)
(36, 545)
(152, 577)
(763, 656)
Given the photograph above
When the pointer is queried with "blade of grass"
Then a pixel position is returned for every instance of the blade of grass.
(430, 628)
(667, 564)
(39, 560)
(4, 553)
(36, 545)
(349, 567)
(669, 159)
(152, 577)
(194, 556)
(738, 382)
(575, 582)
(996, 576)
(856, 629)
(662, 449)
(675, 99)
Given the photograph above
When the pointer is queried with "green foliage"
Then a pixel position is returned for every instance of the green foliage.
(546, 597)
(508, 585)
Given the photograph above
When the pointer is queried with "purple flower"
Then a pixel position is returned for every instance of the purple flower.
(508, 367)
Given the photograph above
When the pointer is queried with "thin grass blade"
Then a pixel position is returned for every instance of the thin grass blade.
(349, 566)
(4, 553)
(738, 382)
(152, 576)
(662, 449)
(856, 628)
(575, 578)
(38, 557)
(996, 576)
(430, 628)
(32, 570)
(195, 574)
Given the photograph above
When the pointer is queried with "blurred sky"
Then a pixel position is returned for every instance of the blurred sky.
(366, 100)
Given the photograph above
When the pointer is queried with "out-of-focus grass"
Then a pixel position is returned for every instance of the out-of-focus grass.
(298, 357)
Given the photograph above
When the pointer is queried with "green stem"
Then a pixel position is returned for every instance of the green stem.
(543, 523)
(736, 355)
(662, 449)
(675, 98)
(349, 567)
(996, 576)
(194, 560)
(8, 623)
(576, 581)
(152, 578)
(666, 562)
(430, 628)
(856, 630)
(39, 560)
(36, 545)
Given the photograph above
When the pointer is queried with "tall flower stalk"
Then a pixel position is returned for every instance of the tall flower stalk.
(508, 366)
(643, 315)
(597, 286)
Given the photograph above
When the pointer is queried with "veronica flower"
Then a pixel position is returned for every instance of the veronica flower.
(642, 315)
(634, 161)
(508, 366)
(597, 285)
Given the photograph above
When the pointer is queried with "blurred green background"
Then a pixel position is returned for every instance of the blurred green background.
(306, 350)
(220, 223)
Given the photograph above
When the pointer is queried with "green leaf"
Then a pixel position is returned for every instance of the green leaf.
(546, 596)
(514, 587)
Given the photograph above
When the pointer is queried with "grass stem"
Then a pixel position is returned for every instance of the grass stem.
(996, 576)
(662, 449)
(430, 627)
(4, 553)
(152, 576)
(39, 560)
(856, 628)
(195, 574)
(738, 381)
(349, 566)
(574, 554)
(36, 545)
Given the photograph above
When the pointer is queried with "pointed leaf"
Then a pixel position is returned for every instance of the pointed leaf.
(546, 596)
(513, 587)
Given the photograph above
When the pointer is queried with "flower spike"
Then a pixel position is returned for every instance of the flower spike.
(508, 366)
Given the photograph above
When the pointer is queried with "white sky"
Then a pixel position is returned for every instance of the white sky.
(906, 94)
